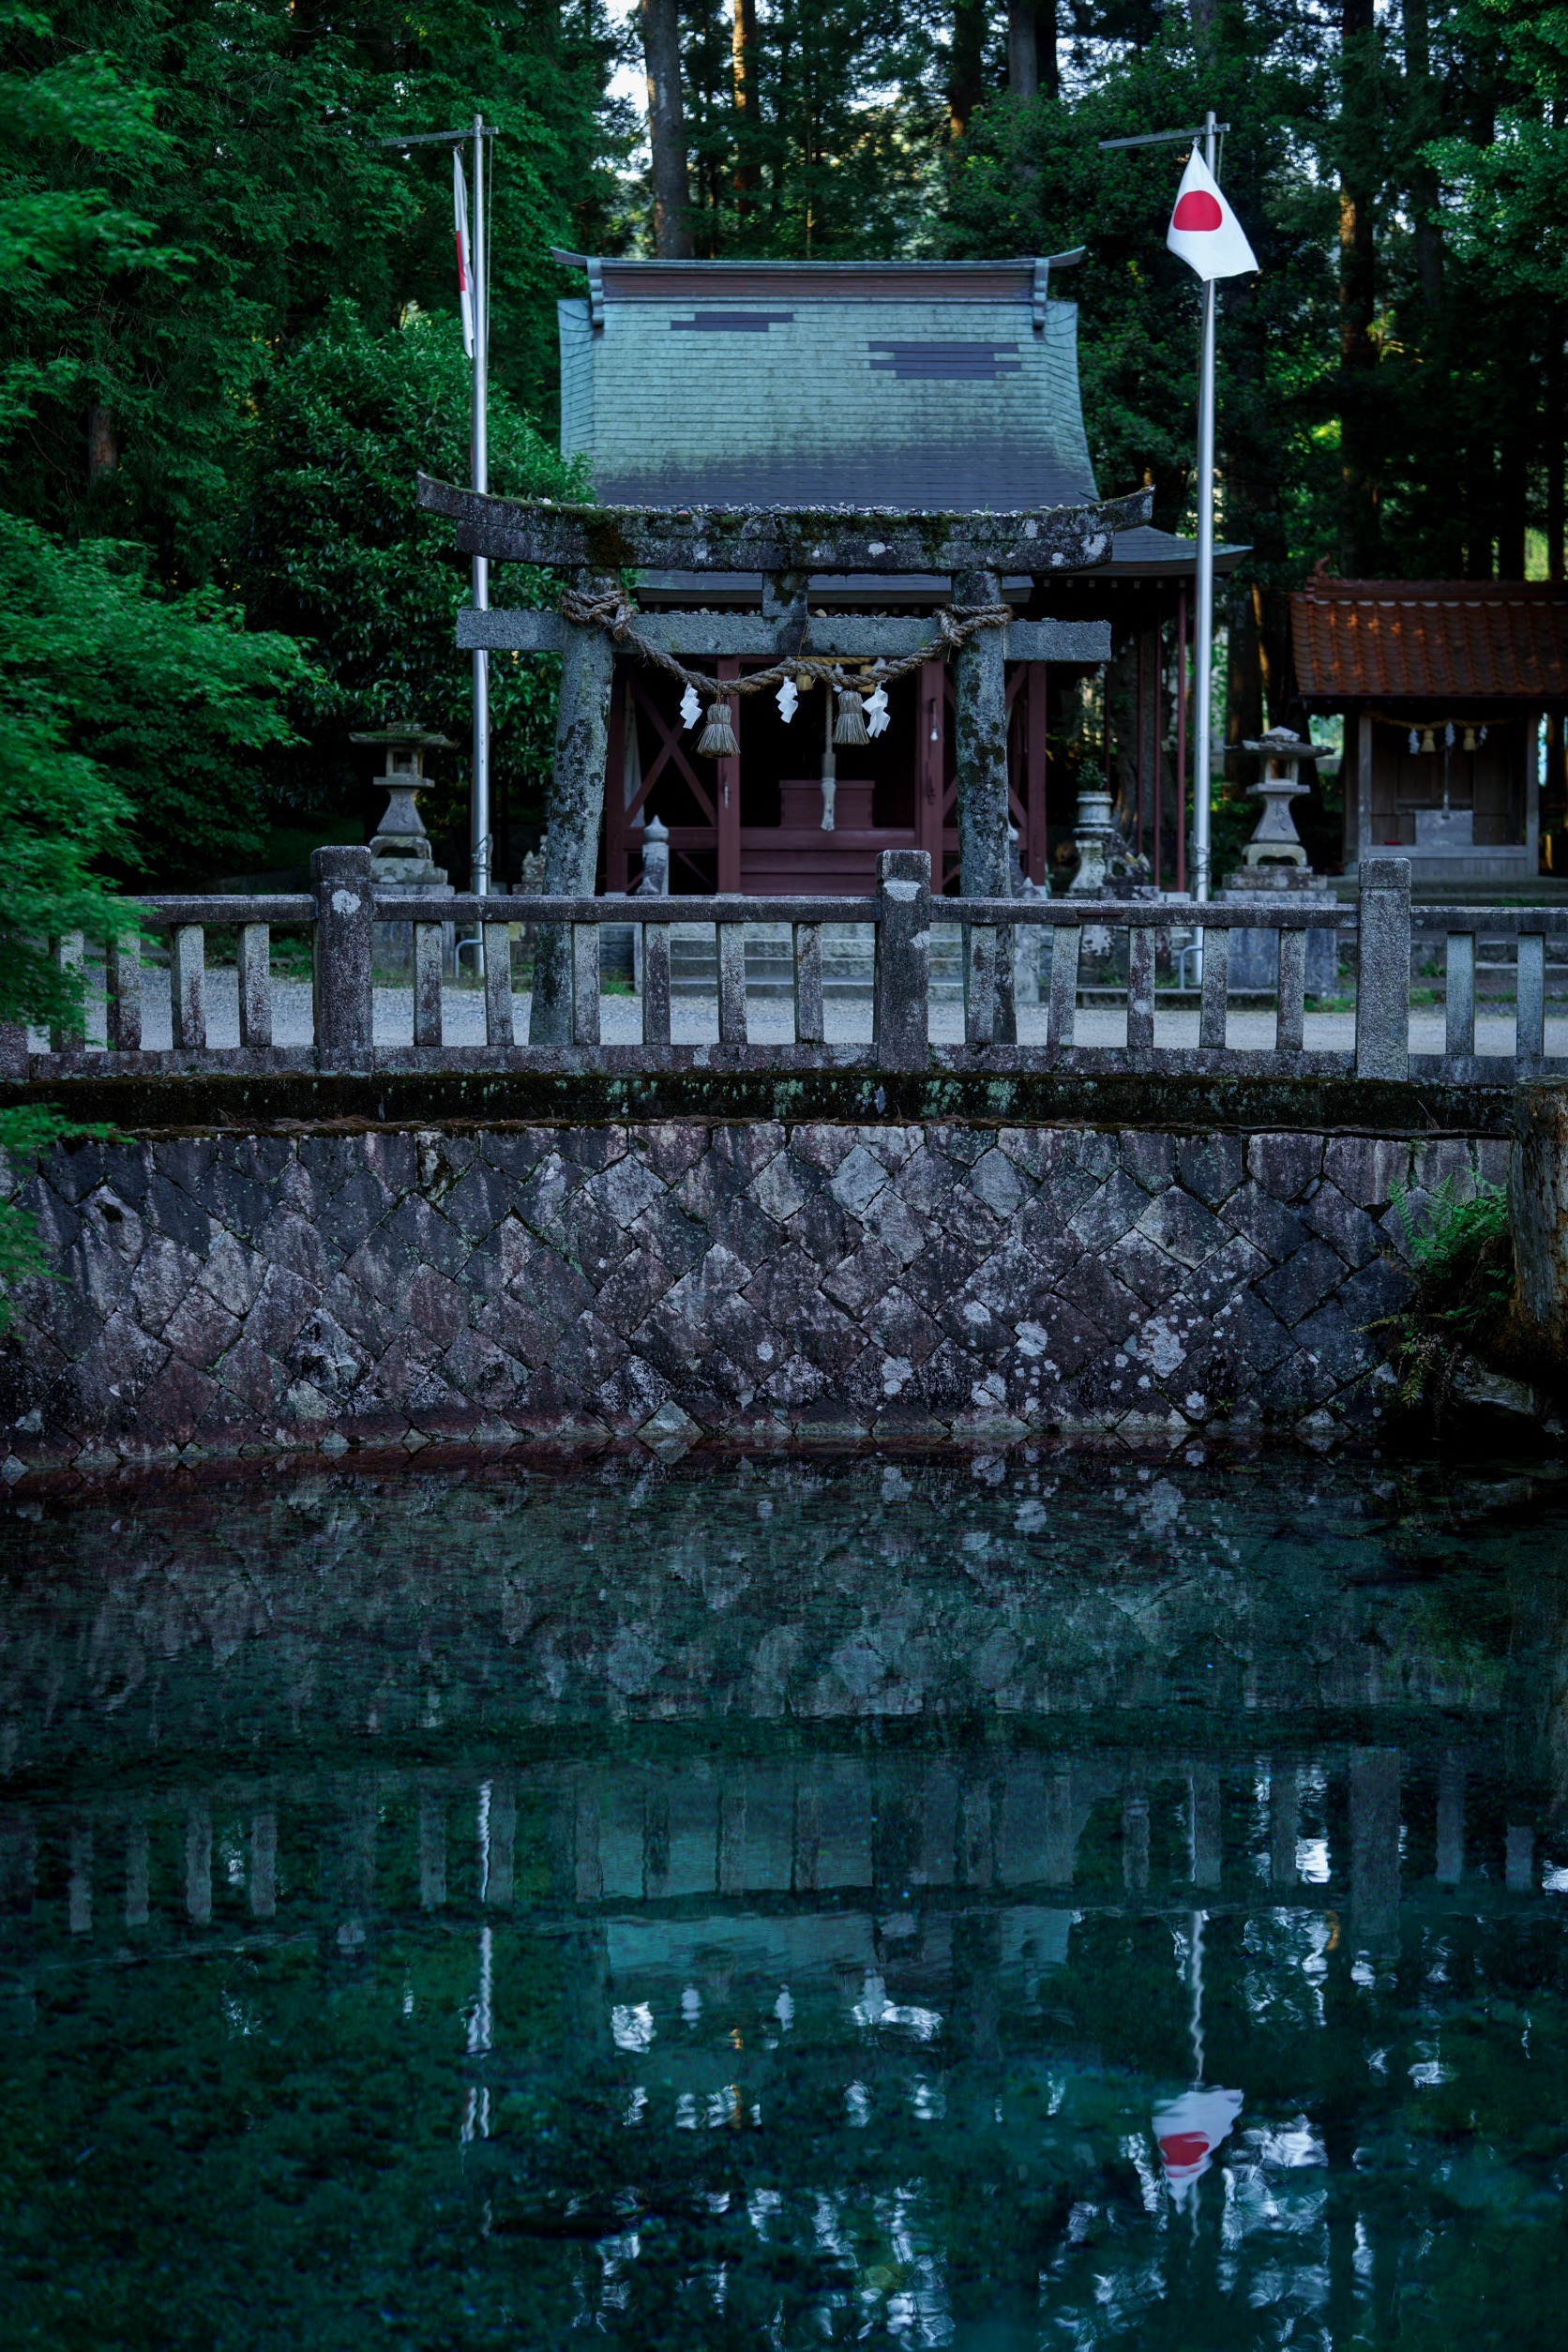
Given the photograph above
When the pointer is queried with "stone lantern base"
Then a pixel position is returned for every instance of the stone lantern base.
(1255, 955)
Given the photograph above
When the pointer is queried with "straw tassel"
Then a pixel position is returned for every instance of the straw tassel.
(717, 740)
(851, 724)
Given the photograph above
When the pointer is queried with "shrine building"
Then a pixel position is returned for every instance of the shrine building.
(909, 385)
(1442, 686)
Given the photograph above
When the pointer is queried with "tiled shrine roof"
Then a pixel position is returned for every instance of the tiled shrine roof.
(912, 384)
(908, 385)
(1430, 640)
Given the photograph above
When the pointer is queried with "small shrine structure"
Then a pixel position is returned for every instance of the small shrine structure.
(810, 387)
(790, 649)
(1442, 686)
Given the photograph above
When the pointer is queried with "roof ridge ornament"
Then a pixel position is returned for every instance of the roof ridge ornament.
(1044, 264)
(589, 261)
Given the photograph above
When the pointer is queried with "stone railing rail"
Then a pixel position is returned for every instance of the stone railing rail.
(344, 907)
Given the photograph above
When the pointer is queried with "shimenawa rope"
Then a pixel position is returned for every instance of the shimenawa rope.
(614, 615)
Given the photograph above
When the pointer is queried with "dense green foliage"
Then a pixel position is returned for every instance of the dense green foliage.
(1392, 397)
(230, 346)
(1391, 393)
(167, 695)
(833, 157)
(241, 155)
(335, 551)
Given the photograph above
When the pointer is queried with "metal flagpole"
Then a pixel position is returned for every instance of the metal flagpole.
(1210, 133)
(479, 802)
(1204, 633)
(479, 798)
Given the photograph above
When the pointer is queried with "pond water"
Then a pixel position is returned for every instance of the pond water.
(1008, 1903)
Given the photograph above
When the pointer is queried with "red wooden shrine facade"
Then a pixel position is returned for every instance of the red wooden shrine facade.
(748, 823)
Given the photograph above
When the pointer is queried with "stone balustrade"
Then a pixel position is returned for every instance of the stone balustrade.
(344, 1028)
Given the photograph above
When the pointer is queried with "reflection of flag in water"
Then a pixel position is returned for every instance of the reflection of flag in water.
(466, 274)
(1189, 2130)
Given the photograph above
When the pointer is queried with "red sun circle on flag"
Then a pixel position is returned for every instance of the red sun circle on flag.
(1196, 209)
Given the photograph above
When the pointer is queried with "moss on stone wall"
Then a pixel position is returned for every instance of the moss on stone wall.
(293, 1101)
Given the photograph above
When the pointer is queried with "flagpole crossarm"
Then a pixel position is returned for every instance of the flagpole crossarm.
(440, 138)
(1165, 138)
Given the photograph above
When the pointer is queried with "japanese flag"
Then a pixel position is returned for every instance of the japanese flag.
(1204, 229)
(1188, 2131)
(465, 273)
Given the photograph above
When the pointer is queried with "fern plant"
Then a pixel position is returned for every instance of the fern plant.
(1461, 1251)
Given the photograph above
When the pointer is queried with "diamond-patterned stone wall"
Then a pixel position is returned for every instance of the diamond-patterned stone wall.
(240, 1293)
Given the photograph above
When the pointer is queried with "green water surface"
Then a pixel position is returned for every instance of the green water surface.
(1007, 1904)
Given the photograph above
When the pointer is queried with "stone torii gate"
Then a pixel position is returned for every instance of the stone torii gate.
(595, 546)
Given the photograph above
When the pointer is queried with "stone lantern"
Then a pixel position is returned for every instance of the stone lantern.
(1274, 863)
(1097, 838)
(399, 845)
(1274, 840)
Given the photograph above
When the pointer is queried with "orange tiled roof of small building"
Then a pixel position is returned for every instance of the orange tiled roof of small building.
(1430, 640)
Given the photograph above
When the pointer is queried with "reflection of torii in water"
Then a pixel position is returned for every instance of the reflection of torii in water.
(1188, 2130)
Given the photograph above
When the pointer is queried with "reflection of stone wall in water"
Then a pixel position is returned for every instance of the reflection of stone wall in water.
(801, 1589)
(581, 2082)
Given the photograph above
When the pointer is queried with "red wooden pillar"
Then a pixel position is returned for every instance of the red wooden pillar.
(1137, 758)
(1157, 740)
(728, 792)
(1035, 756)
(621, 717)
(931, 733)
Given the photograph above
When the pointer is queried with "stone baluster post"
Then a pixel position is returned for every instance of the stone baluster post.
(264, 1862)
(70, 957)
(341, 882)
(575, 805)
(980, 741)
(123, 959)
(432, 1852)
(1383, 979)
(903, 953)
(198, 1862)
(138, 1870)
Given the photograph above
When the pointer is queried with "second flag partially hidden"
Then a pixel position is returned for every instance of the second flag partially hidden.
(465, 270)
(1203, 230)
